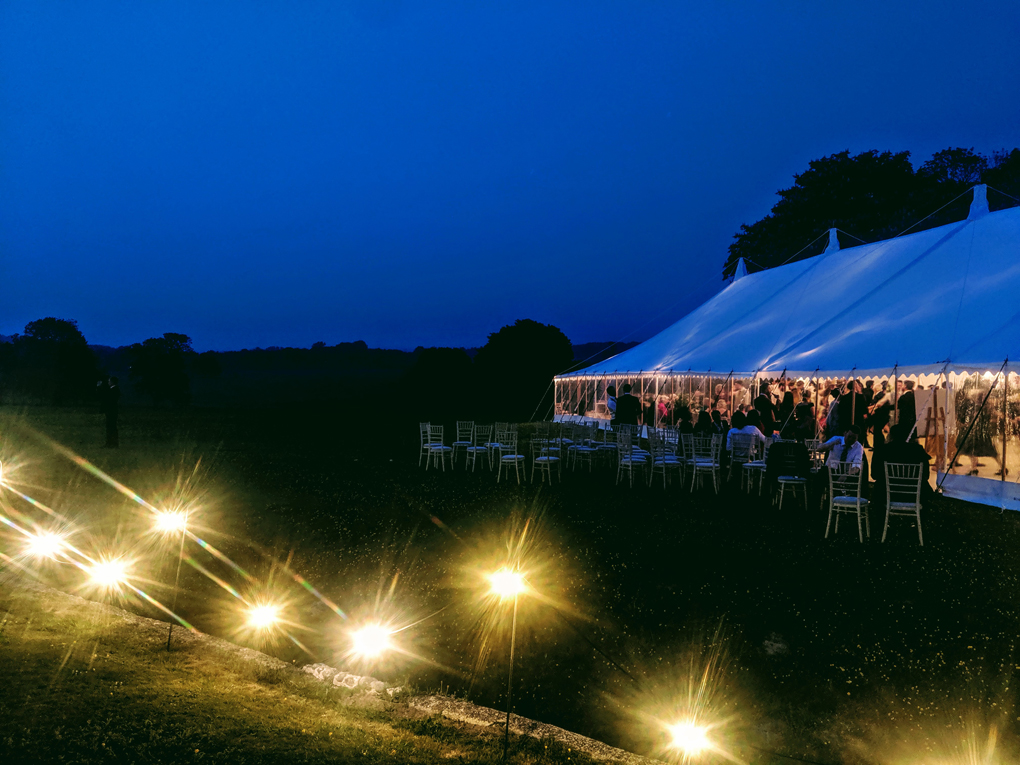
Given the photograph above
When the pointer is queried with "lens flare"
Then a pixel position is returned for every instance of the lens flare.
(171, 521)
(263, 617)
(108, 573)
(45, 544)
(371, 642)
(506, 583)
(689, 738)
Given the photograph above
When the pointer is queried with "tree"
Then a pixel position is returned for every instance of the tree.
(863, 195)
(54, 361)
(1003, 179)
(516, 366)
(958, 168)
(870, 196)
(159, 368)
(439, 385)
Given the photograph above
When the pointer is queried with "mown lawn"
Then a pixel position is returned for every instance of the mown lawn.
(826, 649)
(81, 685)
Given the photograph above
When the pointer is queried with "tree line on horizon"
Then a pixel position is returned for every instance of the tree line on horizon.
(871, 196)
(506, 379)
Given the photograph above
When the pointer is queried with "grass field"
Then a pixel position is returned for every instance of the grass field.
(827, 650)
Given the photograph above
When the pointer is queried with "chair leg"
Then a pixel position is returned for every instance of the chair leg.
(860, 529)
(828, 523)
(920, 537)
(885, 528)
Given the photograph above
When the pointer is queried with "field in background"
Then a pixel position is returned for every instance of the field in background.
(828, 649)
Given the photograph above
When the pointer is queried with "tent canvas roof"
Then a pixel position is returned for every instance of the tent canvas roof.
(948, 294)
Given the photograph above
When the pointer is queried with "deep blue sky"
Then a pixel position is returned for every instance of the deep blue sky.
(419, 173)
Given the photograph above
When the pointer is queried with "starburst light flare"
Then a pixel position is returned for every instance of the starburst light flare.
(109, 573)
(171, 521)
(371, 641)
(262, 617)
(689, 738)
(506, 583)
(45, 544)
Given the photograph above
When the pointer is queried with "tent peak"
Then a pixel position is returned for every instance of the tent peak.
(833, 245)
(979, 205)
(741, 270)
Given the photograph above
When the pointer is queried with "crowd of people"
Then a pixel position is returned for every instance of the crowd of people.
(851, 415)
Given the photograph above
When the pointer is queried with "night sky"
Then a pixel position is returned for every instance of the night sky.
(422, 173)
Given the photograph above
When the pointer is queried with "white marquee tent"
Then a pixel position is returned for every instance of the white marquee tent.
(937, 305)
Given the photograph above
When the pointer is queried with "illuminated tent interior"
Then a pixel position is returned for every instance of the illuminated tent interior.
(940, 307)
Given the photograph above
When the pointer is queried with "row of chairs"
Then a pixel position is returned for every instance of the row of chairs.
(497, 444)
(670, 453)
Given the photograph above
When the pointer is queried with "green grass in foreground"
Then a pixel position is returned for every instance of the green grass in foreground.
(80, 684)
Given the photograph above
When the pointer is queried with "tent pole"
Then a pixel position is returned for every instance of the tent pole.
(895, 396)
(815, 415)
(853, 399)
(1005, 424)
(945, 425)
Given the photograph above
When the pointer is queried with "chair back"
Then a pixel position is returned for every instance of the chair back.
(436, 435)
(508, 445)
(902, 482)
(482, 433)
(716, 447)
(464, 429)
(671, 440)
(702, 447)
(423, 428)
(742, 447)
(687, 442)
(624, 444)
(845, 480)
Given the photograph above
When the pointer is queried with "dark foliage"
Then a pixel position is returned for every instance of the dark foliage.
(871, 196)
(159, 368)
(50, 362)
(439, 387)
(515, 369)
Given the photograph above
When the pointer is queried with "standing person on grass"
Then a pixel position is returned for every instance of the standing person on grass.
(109, 401)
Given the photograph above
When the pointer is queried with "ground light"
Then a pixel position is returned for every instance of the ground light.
(172, 522)
(45, 544)
(371, 641)
(108, 574)
(689, 738)
(263, 617)
(505, 584)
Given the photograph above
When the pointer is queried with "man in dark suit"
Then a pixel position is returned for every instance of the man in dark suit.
(906, 407)
(628, 408)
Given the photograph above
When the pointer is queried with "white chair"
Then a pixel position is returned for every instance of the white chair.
(480, 447)
(438, 452)
(493, 445)
(756, 467)
(663, 460)
(741, 452)
(544, 457)
(903, 494)
(583, 448)
(706, 460)
(626, 457)
(788, 480)
(508, 456)
(465, 438)
(845, 497)
(424, 452)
